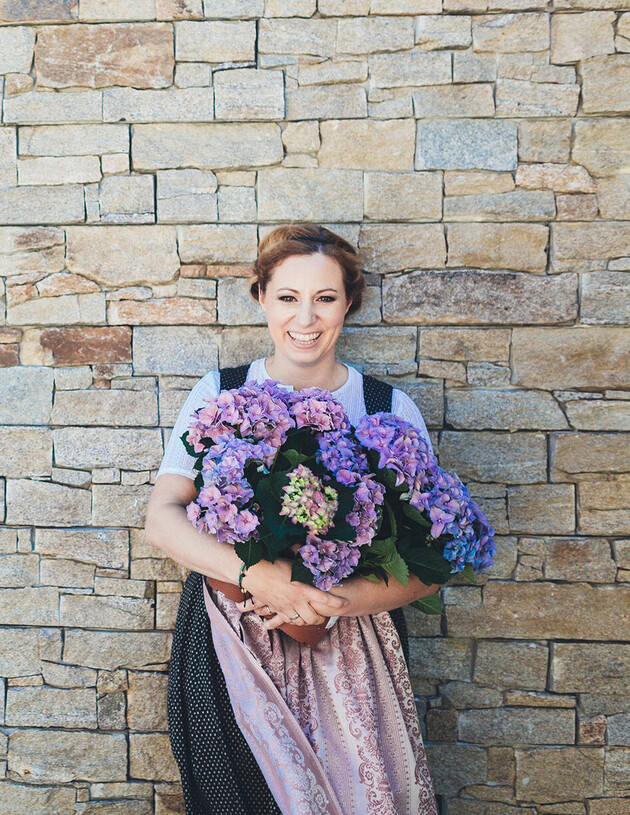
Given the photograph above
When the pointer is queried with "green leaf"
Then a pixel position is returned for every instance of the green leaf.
(469, 572)
(300, 572)
(249, 551)
(429, 605)
(425, 562)
(269, 495)
(198, 481)
(414, 514)
(294, 458)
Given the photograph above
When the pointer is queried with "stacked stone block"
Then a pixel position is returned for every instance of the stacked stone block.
(477, 153)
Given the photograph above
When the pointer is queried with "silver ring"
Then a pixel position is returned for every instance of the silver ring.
(294, 618)
(268, 610)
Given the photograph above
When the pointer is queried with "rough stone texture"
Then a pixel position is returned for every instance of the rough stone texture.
(476, 153)
(138, 55)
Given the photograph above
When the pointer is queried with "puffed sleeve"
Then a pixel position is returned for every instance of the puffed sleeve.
(176, 460)
(405, 408)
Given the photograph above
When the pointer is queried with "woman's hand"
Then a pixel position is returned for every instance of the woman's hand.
(276, 595)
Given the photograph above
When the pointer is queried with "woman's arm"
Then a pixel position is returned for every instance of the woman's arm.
(167, 527)
(366, 597)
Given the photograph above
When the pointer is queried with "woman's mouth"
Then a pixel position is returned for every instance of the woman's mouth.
(304, 340)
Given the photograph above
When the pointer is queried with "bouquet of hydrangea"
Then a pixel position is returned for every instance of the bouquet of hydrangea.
(285, 473)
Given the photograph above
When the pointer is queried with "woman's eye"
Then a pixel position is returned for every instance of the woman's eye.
(326, 297)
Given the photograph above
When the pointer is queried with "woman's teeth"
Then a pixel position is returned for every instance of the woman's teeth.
(304, 339)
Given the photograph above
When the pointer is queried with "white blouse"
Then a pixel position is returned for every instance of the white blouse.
(176, 460)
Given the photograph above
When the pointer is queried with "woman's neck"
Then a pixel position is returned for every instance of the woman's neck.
(327, 374)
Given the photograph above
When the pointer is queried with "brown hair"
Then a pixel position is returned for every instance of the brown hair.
(306, 239)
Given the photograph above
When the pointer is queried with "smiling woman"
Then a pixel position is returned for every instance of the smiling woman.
(325, 730)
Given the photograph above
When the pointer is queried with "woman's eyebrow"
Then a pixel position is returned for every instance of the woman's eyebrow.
(284, 288)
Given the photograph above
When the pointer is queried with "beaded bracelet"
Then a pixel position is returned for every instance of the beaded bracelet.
(241, 575)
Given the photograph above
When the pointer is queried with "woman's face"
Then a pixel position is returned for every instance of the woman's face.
(305, 305)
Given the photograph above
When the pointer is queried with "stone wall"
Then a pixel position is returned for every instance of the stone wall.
(477, 152)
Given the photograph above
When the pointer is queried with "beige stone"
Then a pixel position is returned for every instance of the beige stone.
(598, 414)
(520, 725)
(119, 255)
(57, 756)
(150, 757)
(331, 72)
(186, 196)
(235, 306)
(536, 509)
(446, 297)
(605, 83)
(17, 83)
(613, 197)
(93, 611)
(310, 194)
(146, 700)
(454, 101)
(136, 55)
(605, 297)
(127, 199)
(29, 606)
(441, 658)
(316, 37)
(220, 243)
(16, 49)
(249, 93)
(579, 559)
(441, 31)
(64, 310)
(602, 146)
(60, 283)
(379, 344)
(466, 144)
(487, 456)
(603, 507)
(326, 102)
(564, 357)
(516, 97)
(89, 447)
(544, 140)
(367, 145)
(76, 346)
(215, 41)
(622, 40)
(98, 407)
(559, 774)
(504, 664)
(167, 311)
(521, 247)
(37, 800)
(395, 247)
(413, 196)
(167, 105)
(68, 573)
(364, 35)
(51, 707)
(41, 107)
(110, 650)
(491, 344)
(38, 502)
(178, 9)
(557, 177)
(240, 345)
(42, 205)
(25, 451)
(206, 146)
(31, 390)
(473, 182)
(580, 36)
(115, 505)
(31, 249)
(64, 170)
(539, 610)
(574, 453)
(19, 652)
(504, 33)
(184, 350)
(19, 570)
(516, 205)
(577, 667)
(409, 69)
(108, 10)
(508, 410)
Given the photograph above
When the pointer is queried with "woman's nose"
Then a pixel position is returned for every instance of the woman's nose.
(306, 315)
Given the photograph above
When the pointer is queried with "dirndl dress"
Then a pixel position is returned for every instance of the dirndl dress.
(260, 724)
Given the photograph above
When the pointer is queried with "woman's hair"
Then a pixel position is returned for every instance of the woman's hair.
(306, 239)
